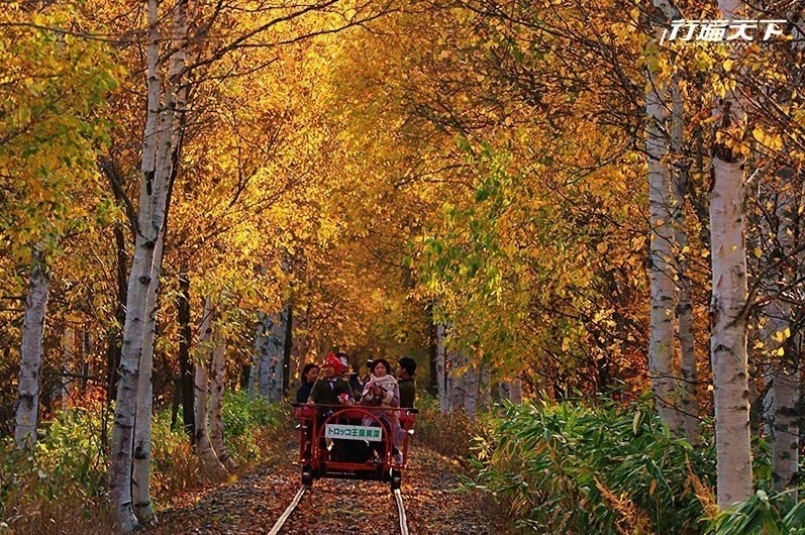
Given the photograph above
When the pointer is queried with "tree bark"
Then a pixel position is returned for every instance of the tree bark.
(728, 306)
(270, 348)
(663, 374)
(433, 351)
(143, 507)
(154, 186)
(287, 352)
(185, 380)
(257, 357)
(471, 389)
(217, 400)
(689, 404)
(211, 465)
(441, 370)
(31, 355)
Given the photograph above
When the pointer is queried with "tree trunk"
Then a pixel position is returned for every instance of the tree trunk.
(217, 400)
(114, 339)
(433, 351)
(257, 357)
(516, 391)
(728, 306)
(31, 355)
(211, 465)
(781, 337)
(664, 378)
(143, 508)
(185, 380)
(689, 404)
(456, 379)
(154, 186)
(471, 388)
(441, 370)
(275, 345)
(68, 349)
(287, 352)
(786, 400)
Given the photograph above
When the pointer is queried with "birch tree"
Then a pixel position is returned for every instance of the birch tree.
(217, 399)
(780, 333)
(212, 465)
(688, 372)
(157, 169)
(663, 374)
(31, 354)
(441, 369)
(728, 307)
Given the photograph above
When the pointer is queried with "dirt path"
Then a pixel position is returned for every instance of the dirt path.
(252, 504)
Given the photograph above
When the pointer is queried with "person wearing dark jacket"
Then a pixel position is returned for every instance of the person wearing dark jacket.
(330, 389)
(406, 382)
(309, 374)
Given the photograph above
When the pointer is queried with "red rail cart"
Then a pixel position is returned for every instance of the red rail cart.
(334, 441)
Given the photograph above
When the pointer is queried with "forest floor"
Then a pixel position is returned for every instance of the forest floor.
(252, 504)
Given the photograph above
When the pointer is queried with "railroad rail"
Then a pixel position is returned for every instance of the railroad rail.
(402, 520)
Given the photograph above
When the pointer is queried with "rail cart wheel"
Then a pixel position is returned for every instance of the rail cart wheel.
(396, 479)
(307, 475)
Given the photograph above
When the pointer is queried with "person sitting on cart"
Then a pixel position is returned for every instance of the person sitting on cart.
(406, 382)
(330, 388)
(309, 375)
(381, 391)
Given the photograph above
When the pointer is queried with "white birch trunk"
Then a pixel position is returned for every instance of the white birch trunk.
(511, 390)
(728, 307)
(785, 440)
(516, 391)
(274, 347)
(31, 355)
(664, 378)
(141, 471)
(784, 396)
(157, 167)
(471, 388)
(441, 370)
(217, 400)
(484, 386)
(168, 137)
(254, 373)
(209, 460)
(456, 386)
(689, 404)
(262, 354)
(784, 354)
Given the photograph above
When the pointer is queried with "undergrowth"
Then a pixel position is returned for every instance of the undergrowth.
(61, 486)
(568, 468)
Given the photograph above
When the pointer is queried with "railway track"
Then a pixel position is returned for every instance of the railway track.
(402, 521)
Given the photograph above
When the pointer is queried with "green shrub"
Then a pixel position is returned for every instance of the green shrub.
(62, 482)
(613, 470)
(761, 514)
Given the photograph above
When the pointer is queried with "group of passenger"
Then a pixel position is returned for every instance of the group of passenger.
(332, 384)
(345, 388)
